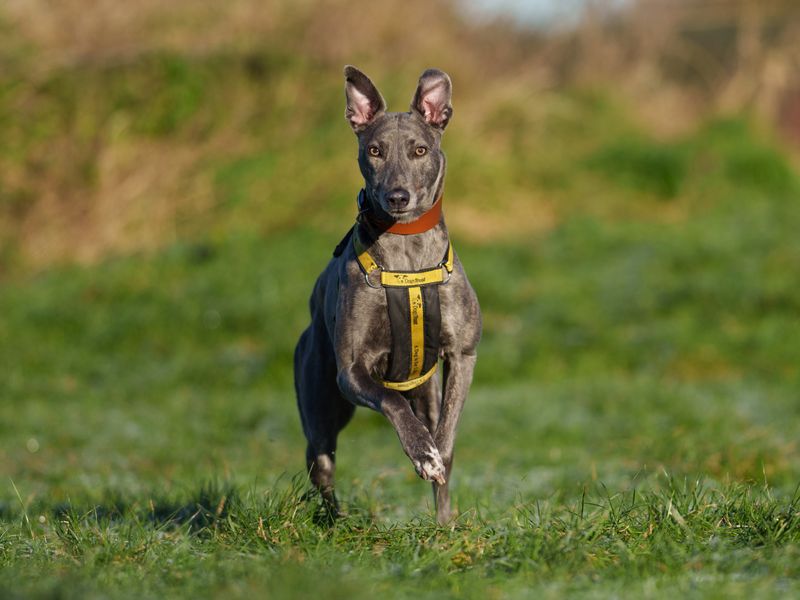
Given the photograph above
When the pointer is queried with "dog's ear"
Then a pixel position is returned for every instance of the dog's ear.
(432, 98)
(364, 101)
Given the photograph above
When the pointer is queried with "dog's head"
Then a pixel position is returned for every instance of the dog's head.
(399, 153)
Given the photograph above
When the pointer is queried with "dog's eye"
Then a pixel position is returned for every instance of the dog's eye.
(374, 151)
(421, 151)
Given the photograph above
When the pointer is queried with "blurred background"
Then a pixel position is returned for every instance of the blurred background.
(622, 188)
(127, 128)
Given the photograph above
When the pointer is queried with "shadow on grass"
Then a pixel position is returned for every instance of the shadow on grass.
(203, 508)
(212, 506)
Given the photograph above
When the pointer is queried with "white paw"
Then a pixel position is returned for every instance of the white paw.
(432, 468)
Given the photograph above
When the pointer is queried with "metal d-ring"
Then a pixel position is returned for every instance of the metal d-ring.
(366, 278)
(448, 274)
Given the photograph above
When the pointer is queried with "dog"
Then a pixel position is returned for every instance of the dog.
(394, 300)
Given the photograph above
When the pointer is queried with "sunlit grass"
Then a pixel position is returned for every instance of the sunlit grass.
(219, 540)
(645, 372)
(632, 429)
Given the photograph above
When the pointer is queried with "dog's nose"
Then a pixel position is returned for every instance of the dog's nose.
(398, 198)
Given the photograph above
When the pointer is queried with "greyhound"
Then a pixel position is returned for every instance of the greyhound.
(399, 245)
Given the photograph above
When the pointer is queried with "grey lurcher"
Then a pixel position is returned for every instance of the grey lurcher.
(345, 350)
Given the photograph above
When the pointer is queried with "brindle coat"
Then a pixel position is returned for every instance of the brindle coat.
(348, 342)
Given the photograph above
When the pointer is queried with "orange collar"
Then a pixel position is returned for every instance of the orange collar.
(427, 221)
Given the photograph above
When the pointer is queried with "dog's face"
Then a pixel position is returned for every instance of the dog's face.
(399, 153)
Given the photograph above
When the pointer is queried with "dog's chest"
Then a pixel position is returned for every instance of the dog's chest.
(414, 315)
(412, 329)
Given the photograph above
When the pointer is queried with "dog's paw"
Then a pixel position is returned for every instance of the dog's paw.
(430, 466)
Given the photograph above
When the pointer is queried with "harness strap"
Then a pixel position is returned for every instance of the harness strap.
(420, 334)
(404, 386)
(403, 278)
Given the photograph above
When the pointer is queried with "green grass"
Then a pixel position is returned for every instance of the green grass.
(685, 539)
(632, 428)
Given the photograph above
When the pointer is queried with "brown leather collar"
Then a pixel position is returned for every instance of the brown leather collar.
(425, 222)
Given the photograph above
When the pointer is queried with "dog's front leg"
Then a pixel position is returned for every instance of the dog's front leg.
(417, 442)
(458, 370)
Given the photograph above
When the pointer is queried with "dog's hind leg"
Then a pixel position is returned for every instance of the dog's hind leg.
(323, 413)
(321, 467)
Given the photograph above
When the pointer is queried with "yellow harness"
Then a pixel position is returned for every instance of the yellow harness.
(423, 349)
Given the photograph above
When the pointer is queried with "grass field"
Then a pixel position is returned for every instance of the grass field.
(632, 430)
(634, 422)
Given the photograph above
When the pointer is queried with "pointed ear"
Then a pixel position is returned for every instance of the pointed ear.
(364, 101)
(432, 98)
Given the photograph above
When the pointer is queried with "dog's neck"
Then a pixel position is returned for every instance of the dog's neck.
(405, 252)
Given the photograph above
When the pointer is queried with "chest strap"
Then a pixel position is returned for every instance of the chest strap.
(414, 316)
(404, 279)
